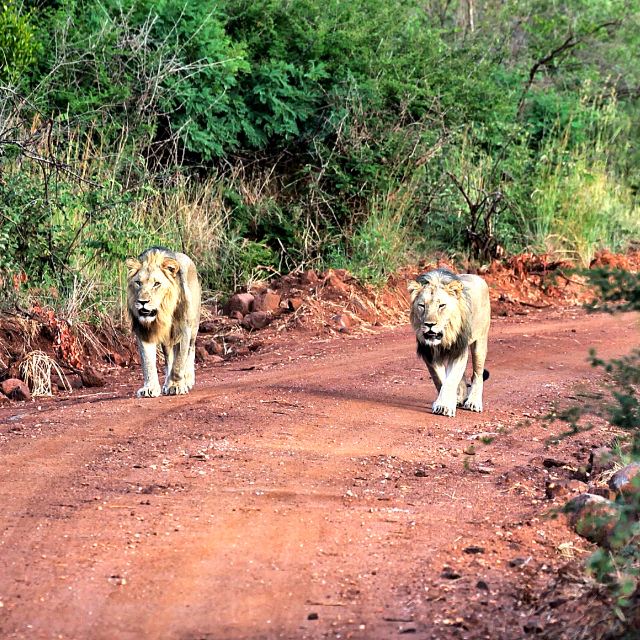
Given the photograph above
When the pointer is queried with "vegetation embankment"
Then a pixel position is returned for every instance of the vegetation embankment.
(260, 137)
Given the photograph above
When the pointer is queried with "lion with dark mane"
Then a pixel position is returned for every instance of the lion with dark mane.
(163, 299)
(450, 315)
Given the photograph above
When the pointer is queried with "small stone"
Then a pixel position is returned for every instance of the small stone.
(215, 359)
(202, 355)
(92, 378)
(557, 488)
(481, 584)
(293, 304)
(470, 450)
(15, 389)
(115, 358)
(213, 347)
(236, 315)
(256, 320)
(4, 399)
(420, 473)
(309, 277)
(472, 549)
(208, 326)
(343, 322)
(549, 463)
(518, 562)
(450, 574)
(312, 616)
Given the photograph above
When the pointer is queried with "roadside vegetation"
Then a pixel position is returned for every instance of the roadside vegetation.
(265, 136)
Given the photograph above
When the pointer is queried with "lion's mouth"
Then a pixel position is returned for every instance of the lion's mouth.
(432, 336)
(147, 314)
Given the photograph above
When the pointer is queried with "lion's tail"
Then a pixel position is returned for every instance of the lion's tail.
(485, 374)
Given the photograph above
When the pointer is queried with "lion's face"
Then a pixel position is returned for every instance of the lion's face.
(151, 285)
(435, 311)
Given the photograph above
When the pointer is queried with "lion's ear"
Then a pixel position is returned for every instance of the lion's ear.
(455, 288)
(133, 266)
(171, 265)
(414, 288)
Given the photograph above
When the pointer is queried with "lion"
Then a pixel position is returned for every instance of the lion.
(450, 314)
(163, 299)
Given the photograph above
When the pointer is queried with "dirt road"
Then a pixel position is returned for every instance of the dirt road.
(304, 492)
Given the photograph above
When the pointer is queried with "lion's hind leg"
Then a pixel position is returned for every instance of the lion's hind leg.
(478, 357)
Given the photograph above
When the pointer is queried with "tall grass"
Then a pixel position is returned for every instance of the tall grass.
(580, 202)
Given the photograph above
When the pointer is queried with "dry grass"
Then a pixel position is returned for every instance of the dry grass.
(36, 368)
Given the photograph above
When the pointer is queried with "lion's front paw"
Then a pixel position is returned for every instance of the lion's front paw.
(176, 388)
(148, 391)
(444, 409)
(473, 405)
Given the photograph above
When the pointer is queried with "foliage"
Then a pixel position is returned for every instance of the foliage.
(18, 42)
(263, 135)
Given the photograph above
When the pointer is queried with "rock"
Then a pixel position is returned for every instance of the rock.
(312, 616)
(472, 549)
(268, 301)
(600, 489)
(343, 322)
(420, 473)
(15, 389)
(557, 488)
(256, 320)
(236, 315)
(73, 381)
(293, 304)
(622, 482)
(92, 378)
(241, 302)
(481, 584)
(593, 517)
(4, 399)
(202, 355)
(309, 277)
(208, 326)
(601, 459)
(115, 358)
(333, 281)
(549, 463)
(216, 359)
(450, 574)
(213, 348)
(519, 562)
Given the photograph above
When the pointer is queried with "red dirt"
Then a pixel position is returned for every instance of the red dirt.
(307, 491)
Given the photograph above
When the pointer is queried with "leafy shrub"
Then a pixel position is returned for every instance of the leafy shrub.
(19, 45)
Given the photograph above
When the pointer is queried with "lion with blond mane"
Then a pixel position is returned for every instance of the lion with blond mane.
(450, 315)
(163, 299)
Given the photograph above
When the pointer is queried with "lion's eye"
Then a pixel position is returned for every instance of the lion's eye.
(137, 283)
(156, 285)
(421, 307)
(442, 306)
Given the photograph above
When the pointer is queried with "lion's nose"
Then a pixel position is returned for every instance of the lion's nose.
(429, 325)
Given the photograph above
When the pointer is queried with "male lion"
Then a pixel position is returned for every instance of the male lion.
(450, 314)
(163, 298)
